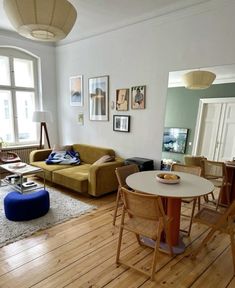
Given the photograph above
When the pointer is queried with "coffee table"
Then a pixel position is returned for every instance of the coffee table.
(18, 177)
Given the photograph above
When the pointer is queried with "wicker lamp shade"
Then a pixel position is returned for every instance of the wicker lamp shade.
(42, 20)
(198, 79)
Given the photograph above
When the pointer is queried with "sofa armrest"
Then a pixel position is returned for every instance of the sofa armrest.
(102, 178)
(39, 155)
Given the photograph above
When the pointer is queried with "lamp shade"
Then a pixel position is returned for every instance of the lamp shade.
(43, 20)
(198, 79)
(42, 116)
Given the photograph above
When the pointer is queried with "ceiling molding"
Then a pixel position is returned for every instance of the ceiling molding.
(166, 14)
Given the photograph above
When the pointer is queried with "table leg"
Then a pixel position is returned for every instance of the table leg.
(173, 212)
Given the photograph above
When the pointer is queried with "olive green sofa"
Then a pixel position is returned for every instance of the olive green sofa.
(94, 179)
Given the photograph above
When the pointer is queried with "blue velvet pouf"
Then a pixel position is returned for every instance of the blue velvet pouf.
(22, 207)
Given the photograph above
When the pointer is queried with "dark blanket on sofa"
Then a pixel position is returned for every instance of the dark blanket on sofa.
(63, 157)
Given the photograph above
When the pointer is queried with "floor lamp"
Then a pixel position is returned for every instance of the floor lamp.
(43, 117)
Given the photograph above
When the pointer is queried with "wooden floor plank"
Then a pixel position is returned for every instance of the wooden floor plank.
(80, 253)
(214, 275)
(183, 272)
(53, 243)
(231, 284)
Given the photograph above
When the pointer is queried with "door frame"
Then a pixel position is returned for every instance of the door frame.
(201, 107)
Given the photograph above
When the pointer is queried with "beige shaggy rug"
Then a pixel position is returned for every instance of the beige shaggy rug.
(62, 208)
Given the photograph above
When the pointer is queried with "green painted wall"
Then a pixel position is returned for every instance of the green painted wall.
(182, 106)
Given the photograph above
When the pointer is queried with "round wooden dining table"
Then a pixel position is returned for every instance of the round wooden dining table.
(189, 186)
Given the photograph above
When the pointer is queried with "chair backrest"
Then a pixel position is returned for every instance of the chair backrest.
(193, 160)
(225, 221)
(230, 212)
(214, 169)
(141, 205)
(196, 170)
(124, 171)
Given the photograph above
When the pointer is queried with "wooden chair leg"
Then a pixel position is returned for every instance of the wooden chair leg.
(219, 198)
(199, 204)
(204, 242)
(120, 237)
(116, 205)
(233, 250)
(212, 195)
(155, 254)
(206, 198)
(192, 214)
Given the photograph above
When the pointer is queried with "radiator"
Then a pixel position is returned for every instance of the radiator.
(23, 152)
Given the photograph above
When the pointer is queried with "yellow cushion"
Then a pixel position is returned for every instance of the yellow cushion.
(48, 169)
(75, 178)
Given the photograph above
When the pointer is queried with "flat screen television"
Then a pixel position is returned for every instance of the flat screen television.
(175, 140)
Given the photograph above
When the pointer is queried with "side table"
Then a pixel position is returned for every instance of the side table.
(18, 176)
(144, 164)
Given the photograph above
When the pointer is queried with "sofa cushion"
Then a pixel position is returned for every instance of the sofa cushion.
(89, 154)
(48, 169)
(75, 178)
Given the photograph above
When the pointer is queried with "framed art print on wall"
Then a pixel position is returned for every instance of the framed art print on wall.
(122, 99)
(121, 123)
(76, 90)
(80, 118)
(98, 91)
(138, 97)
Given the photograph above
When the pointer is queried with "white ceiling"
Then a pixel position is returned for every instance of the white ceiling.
(99, 16)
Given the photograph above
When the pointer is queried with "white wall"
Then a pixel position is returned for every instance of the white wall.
(46, 54)
(142, 54)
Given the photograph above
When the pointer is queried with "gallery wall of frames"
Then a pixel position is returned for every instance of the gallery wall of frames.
(98, 98)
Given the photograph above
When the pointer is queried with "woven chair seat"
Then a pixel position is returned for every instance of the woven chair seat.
(148, 227)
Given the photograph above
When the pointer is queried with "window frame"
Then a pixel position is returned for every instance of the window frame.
(21, 54)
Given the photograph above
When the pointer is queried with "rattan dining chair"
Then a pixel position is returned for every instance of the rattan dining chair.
(196, 170)
(222, 222)
(216, 172)
(122, 173)
(191, 160)
(146, 217)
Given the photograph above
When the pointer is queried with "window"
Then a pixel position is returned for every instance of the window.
(18, 96)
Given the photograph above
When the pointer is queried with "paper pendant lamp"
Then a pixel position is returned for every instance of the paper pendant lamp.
(42, 20)
(198, 79)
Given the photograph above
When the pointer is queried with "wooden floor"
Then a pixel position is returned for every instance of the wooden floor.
(81, 253)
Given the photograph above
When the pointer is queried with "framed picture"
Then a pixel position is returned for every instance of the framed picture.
(81, 118)
(122, 99)
(174, 140)
(138, 97)
(98, 90)
(76, 91)
(121, 123)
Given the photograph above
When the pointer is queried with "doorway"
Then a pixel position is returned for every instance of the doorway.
(215, 129)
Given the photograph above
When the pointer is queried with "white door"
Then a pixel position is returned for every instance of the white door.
(226, 149)
(215, 129)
